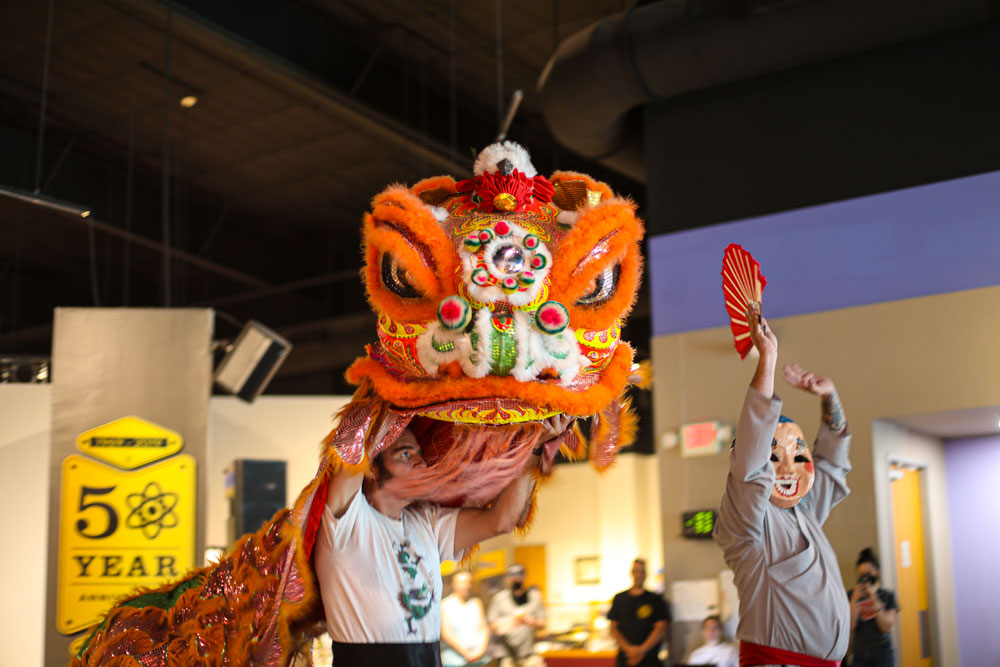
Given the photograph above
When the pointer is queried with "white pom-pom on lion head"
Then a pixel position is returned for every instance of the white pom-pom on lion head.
(512, 151)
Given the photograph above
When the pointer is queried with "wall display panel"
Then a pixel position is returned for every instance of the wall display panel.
(130, 398)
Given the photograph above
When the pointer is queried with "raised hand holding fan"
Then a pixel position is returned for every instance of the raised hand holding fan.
(742, 282)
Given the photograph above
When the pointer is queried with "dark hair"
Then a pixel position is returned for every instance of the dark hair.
(868, 556)
(382, 473)
(718, 621)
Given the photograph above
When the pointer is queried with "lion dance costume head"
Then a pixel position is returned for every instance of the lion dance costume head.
(500, 301)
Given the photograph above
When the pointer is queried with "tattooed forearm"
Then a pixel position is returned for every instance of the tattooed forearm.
(833, 413)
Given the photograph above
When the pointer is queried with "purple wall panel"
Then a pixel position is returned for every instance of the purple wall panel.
(907, 243)
(973, 469)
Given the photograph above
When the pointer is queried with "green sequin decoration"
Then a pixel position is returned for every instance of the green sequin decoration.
(503, 351)
(159, 599)
(474, 339)
(447, 346)
(164, 599)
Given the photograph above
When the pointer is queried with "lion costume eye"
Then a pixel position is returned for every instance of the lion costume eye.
(605, 284)
(397, 279)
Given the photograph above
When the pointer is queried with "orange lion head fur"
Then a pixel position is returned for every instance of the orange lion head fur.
(500, 301)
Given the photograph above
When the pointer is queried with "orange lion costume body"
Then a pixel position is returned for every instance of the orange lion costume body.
(500, 301)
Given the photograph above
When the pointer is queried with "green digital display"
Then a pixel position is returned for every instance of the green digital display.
(698, 524)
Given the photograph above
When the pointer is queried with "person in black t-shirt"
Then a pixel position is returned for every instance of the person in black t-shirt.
(638, 622)
(873, 613)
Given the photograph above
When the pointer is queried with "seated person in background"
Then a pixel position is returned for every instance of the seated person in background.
(714, 651)
(464, 633)
(639, 621)
(873, 613)
(778, 496)
(515, 614)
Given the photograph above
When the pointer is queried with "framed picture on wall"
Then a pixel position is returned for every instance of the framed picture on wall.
(587, 569)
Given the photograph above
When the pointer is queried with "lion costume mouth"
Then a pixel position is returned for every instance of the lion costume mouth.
(496, 400)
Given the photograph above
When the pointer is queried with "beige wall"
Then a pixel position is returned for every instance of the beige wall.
(893, 359)
(581, 512)
(24, 496)
(287, 428)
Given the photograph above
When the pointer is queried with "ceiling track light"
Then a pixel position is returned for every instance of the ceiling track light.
(40, 199)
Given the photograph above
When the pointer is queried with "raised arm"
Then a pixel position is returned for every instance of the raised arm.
(751, 474)
(767, 346)
(832, 414)
(475, 525)
(341, 490)
(833, 443)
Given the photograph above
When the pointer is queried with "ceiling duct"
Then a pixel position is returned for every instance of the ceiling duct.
(654, 52)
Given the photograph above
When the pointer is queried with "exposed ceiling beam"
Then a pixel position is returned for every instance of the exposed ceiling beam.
(176, 253)
(311, 358)
(286, 75)
(274, 290)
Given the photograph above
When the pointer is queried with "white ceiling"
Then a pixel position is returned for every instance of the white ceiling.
(954, 423)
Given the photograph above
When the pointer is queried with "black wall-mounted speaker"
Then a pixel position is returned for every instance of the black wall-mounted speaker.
(256, 490)
(252, 361)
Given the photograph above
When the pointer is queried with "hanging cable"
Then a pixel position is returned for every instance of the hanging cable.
(555, 47)
(15, 283)
(127, 251)
(452, 83)
(555, 25)
(515, 102)
(39, 159)
(92, 247)
(499, 30)
(166, 160)
(424, 138)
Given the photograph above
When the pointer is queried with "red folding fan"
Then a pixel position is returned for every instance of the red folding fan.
(742, 282)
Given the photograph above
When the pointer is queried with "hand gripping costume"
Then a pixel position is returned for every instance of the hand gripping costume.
(500, 302)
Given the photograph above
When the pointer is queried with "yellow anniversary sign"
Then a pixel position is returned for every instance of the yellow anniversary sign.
(120, 530)
(129, 442)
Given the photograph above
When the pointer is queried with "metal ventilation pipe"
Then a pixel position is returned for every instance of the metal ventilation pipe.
(653, 52)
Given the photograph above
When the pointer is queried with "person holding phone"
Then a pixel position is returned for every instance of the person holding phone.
(873, 613)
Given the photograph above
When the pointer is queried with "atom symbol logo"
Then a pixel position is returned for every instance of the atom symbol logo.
(152, 510)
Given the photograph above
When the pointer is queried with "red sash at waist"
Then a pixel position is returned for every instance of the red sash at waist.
(755, 654)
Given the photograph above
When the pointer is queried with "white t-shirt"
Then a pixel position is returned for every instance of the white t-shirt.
(722, 654)
(380, 579)
(466, 621)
